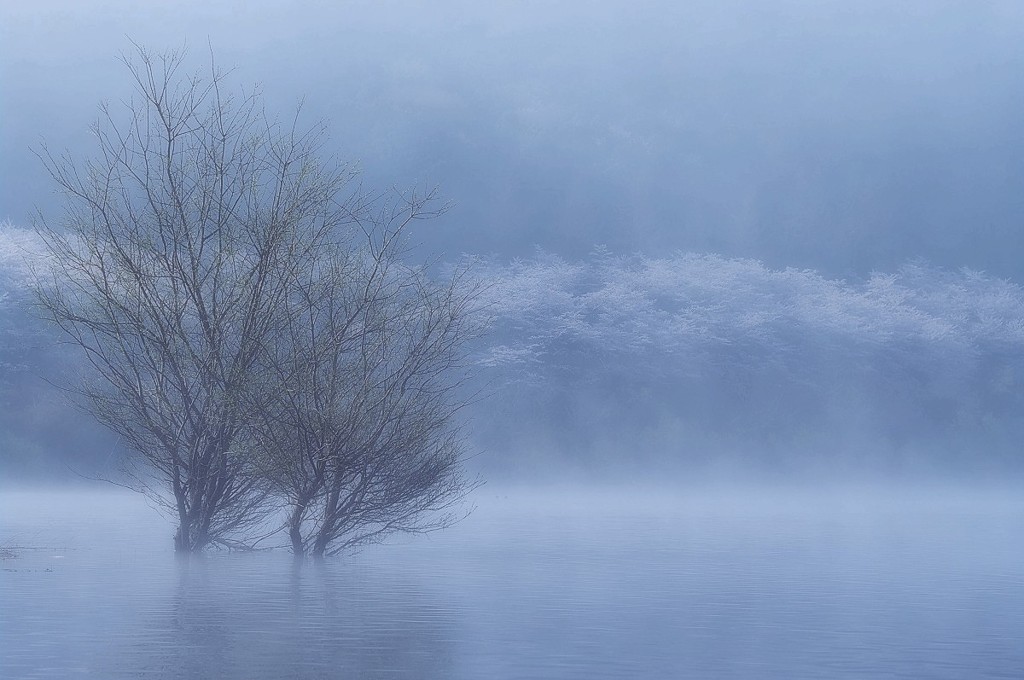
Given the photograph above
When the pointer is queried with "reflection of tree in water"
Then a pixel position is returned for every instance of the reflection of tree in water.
(252, 616)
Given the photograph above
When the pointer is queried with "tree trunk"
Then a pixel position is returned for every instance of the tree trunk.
(295, 529)
(180, 541)
(190, 537)
(182, 537)
(320, 544)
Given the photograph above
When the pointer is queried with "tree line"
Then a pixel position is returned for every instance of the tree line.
(648, 364)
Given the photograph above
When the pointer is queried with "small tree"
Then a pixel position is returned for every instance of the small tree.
(179, 247)
(359, 434)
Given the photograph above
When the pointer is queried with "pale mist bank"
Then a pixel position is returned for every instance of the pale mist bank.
(539, 582)
(636, 366)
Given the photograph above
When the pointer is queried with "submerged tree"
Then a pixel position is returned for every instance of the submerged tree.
(192, 245)
(359, 435)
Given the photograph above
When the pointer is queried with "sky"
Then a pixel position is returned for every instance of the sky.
(842, 137)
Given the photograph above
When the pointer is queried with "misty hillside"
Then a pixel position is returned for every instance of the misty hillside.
(689, 357)
(687, 362)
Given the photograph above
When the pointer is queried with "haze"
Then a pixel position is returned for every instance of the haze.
(843, 137)
(752, 381)
(851, 141)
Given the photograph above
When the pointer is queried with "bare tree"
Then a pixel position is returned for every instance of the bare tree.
(181, 243)
(360, 435)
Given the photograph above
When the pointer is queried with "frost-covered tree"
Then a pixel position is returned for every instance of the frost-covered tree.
(694, 345)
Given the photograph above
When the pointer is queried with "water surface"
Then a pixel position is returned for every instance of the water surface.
(535, 584)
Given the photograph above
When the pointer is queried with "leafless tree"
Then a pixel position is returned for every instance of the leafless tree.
(360, 434)
(180, 245)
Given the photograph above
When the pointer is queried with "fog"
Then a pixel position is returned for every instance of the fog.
(779, 238)
(752, 283)
(688, 362)
(688, 365)
(539, 582)
(840, 137)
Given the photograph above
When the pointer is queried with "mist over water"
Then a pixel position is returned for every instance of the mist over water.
(557, 582)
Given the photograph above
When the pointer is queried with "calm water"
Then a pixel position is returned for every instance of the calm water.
(556, 585)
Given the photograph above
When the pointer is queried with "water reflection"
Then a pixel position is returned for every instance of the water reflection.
(264, 616)
(586, 591)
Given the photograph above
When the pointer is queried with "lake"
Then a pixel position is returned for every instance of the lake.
(536, 583)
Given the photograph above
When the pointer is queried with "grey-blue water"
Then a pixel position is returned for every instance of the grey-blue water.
(555, 584)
